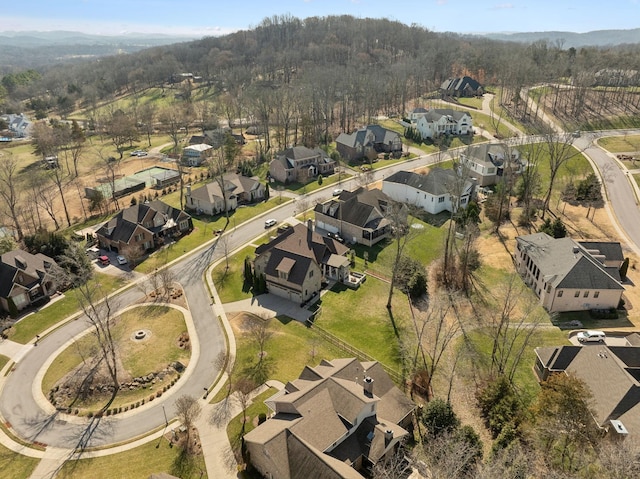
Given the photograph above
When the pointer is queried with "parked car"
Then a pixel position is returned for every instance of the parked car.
(104, 260)
(337, 191)
(591, 336)
(93, 252)
(336, 237)
(121, 259)
(139, 153)
(270, 222)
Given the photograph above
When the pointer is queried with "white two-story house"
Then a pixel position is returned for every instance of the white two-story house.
(440, 190)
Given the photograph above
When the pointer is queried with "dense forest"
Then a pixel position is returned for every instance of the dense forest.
(335, 68)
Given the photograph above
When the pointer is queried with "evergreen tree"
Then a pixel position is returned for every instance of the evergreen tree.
(266, 192)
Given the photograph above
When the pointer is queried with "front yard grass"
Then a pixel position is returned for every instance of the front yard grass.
(27, 328)
(230, 282)
(137, 463)
(292, 346)
(304, 188)
(3, 361)
(620, 144)
(16, 466)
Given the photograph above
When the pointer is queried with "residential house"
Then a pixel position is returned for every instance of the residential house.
(143, 227)
(436, 122)
(439, 190)
(612, 375)
(195, 155)
(490, 163)
(298, 260)
(569, 275)
(26, 278)
(300, 164)
(461, 87)
(358, 216)
(368, 142)
(338, 418)
(238, 189)
(18, 125)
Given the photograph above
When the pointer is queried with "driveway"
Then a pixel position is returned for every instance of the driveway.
(269, 306)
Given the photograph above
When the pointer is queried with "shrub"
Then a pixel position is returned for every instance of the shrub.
(438, 417)
(499, 405)
(262, 417)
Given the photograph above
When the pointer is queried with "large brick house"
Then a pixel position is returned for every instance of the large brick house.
(298, 260)
(143, 227)
(338, 418)
(26, 278)
(300, 164)
(368, 142)
(358, 216)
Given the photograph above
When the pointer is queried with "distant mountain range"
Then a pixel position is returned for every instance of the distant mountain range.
(599, 38)
(32, 49)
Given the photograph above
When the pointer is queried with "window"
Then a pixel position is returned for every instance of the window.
(577, 294)
(586, 294)
(441, 199)
(311, 274)
(596, 294)
(548, 289)
(560, 293)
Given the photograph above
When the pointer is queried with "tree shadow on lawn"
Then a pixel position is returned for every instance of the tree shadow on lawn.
(261, 370)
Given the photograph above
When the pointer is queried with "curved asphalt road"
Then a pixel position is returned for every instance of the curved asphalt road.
(18, 407)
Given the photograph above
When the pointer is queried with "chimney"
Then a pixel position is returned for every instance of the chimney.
(310, 224)
(388, 436)
(188, 190)
(368, 386)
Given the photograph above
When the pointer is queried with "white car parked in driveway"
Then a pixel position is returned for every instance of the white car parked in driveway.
(591, 336)
(121, 259)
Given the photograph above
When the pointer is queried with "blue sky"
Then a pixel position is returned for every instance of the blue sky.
(214, 17)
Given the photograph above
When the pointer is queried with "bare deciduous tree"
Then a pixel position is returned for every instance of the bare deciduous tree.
(10, 190)
(188, 410)
(100, 315)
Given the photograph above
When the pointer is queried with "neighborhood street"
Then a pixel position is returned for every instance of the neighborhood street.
(25, 413)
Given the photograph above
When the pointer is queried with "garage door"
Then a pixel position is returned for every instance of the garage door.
(324, 226)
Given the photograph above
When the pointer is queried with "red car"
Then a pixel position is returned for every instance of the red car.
(104, 260)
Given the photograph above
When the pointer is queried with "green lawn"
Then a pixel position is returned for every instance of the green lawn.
(137, 463)
(361, 319)
(425, 245)
(16, 466)
(291, 346)
(485, 122)
(138, 358)
(3, 361)
(229, 282)
(303, 188)
(620, 144)
(27, 328)
(471, 102)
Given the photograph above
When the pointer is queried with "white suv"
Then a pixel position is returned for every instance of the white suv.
(591, 336)
(270, 222)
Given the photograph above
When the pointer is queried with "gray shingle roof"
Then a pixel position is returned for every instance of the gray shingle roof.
(437, 182)
(566, 264)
